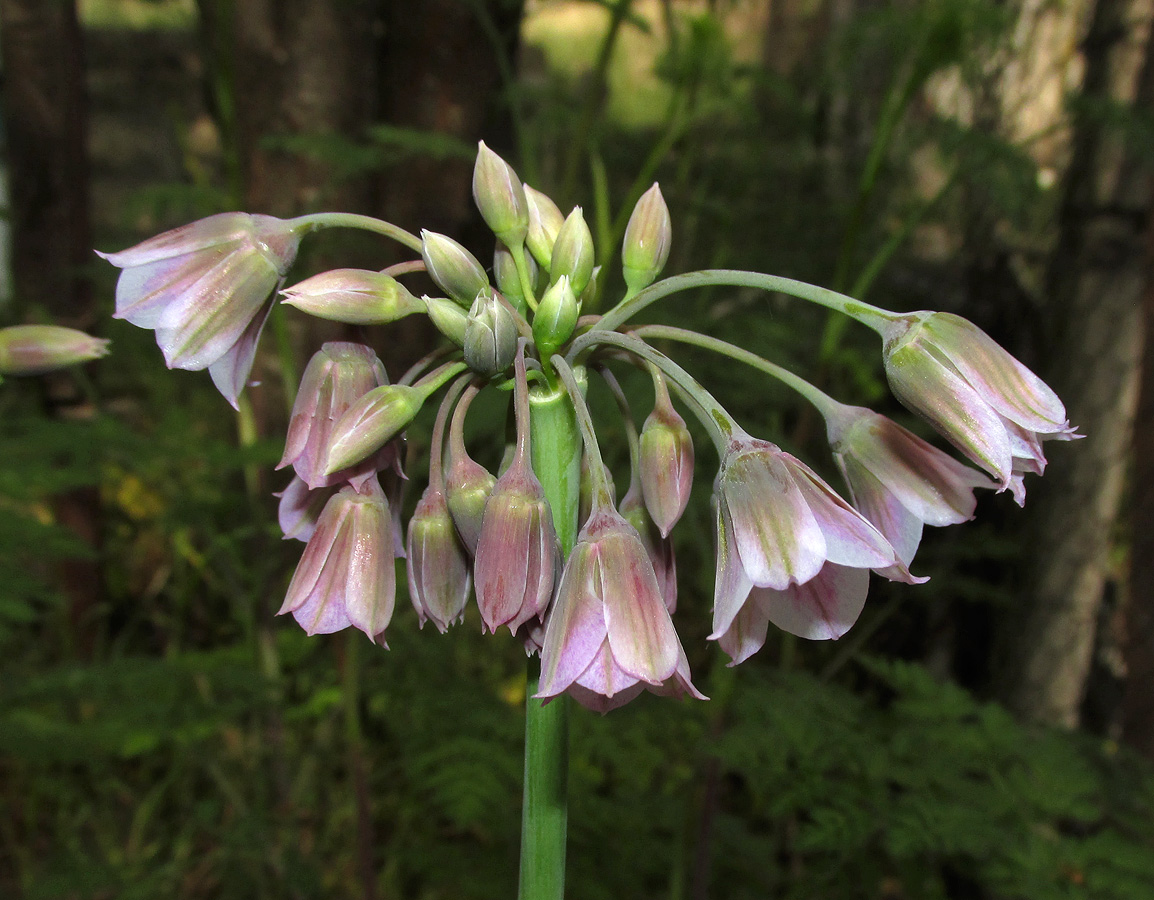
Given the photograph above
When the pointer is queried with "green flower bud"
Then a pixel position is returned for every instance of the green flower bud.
(490, 336)
(500, 197)
(647, 239)
(545, 221)
(355, 296)
(448, 318)
(573, 252)
(555, 318)
(453, 267)
(367, 425)
(505, 274)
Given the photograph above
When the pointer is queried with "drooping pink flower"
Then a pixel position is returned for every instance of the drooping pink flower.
(609, 634)
(779, 524)
(897, 480)
(337, 376)
(986, 403)
(666, 461)
(346, 575)
(206, 288)
(437, 564)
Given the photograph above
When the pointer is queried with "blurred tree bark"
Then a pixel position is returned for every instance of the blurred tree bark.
(46, 124)
(1095, 283)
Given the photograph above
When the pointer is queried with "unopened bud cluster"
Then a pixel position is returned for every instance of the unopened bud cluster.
(790, 549)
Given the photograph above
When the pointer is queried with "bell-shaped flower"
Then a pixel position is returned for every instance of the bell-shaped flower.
(666, 462)
(353, 296)
(517, 550)
(898, 481)
(36, 349)
(206, 289)
(659, 547)
(346, 575)
(337, 376)
(437, 564)
(609, 634)
(986, 403)
(779, 523)
(822, 609)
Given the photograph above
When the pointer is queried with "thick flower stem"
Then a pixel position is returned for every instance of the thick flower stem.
(863, 312)
(556, 456)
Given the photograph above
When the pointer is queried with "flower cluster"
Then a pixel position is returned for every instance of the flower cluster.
(587, 582)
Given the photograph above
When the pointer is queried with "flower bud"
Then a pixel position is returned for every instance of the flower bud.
(573, 252)
(468, 485)
(647, 239)
(490, 336)
(370, 423)
(353, 296)
(666, 463)
(505, 274)
(437, 565)
(555, 318)
(545, 221)
(36, 349)
(500, 197)
(453, 267)
(447, 317)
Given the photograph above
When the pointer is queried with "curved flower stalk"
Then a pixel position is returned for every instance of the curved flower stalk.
(468, 484)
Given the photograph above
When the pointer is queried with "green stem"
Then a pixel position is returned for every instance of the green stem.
(314, 221)
(556, 455)
(522, 266)
(717, 422)
(872, 316)
(824, 402)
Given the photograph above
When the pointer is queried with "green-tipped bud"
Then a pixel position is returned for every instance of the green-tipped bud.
(36, 349)
(453, 267)
(500, 197)
(505, 274)
(545, 221)
(647, 239)
(555, 318)
(467, 488)
(367, 425)
(573, 252)
(354, 296)
(448, 318)
(490, 336)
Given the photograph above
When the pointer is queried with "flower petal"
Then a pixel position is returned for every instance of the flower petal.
(823, 608)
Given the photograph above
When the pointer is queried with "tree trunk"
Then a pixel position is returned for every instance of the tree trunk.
(45, 115)
(1095, 283)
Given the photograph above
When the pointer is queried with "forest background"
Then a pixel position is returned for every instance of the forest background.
(989, 735)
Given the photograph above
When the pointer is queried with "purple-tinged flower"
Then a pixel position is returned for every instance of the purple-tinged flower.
(437, 564)
(300, 508)
(779, 523)
(659, 548)
(982, 400)
(666, 462)
(206, 289)
(337, 376)
(608, 629)
(346, 575)
(897, 480)
(822, 609)
(36, 349)
(353, 296)
(517, 550)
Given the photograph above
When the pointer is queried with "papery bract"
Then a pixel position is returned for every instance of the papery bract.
(986, 403)
(337, 376)
(897, 480)
(206, 290)
(346, 575)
